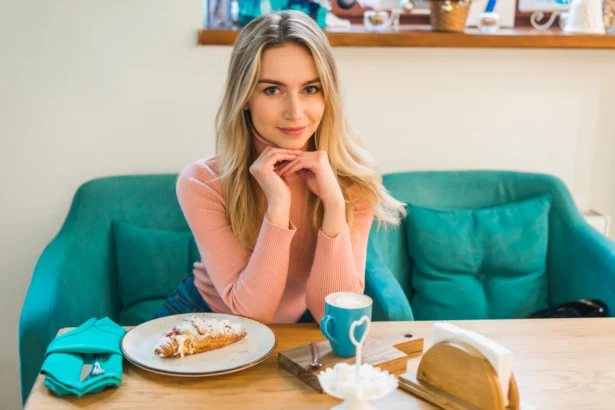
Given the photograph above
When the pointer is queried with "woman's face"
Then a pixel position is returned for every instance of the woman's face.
(287, 104)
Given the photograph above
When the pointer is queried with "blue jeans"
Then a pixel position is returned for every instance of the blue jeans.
(187, 299)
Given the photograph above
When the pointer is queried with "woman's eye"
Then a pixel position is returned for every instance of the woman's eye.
(270, 90)
(312, 89)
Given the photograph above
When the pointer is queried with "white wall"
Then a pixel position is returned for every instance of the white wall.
(93, 88)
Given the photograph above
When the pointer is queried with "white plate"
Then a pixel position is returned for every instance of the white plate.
(139, 343)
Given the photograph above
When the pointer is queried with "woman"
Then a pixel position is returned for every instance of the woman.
(282, 213)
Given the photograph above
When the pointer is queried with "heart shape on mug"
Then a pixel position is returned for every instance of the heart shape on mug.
(354, 325)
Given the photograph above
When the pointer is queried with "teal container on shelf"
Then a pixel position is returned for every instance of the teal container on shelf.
(251, 9)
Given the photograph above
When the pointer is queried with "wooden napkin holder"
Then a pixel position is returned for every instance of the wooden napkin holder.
(454, 375)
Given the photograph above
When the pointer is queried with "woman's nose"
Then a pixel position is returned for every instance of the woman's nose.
(294, 108)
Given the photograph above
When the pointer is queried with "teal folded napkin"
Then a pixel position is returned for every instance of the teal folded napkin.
(66, 354)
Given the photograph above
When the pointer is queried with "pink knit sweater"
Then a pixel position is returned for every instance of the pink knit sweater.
(290, 268)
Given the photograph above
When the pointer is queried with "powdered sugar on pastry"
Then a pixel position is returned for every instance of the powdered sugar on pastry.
(195, 335)
(213, 327)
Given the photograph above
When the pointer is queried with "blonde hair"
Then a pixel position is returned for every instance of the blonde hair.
(353, 165)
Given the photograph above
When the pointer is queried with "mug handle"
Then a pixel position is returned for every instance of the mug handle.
(323, 327)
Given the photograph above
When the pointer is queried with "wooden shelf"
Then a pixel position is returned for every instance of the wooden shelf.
(422, 36)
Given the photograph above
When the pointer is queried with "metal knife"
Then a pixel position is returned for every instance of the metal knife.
(87, 367)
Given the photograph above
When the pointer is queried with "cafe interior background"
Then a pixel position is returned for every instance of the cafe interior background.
(99, 88)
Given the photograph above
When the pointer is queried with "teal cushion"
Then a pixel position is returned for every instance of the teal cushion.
(151, 263)
(485, 263)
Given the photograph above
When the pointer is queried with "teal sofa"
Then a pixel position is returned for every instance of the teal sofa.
(579, 261)
(78, 274)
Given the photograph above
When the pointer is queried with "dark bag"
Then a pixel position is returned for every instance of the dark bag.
(576, 309)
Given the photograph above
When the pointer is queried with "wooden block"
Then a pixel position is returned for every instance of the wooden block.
(456, 376)
(389, 353)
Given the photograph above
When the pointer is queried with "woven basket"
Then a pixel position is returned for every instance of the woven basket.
(454, 20)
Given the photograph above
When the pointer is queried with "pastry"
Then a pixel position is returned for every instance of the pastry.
(195, 335)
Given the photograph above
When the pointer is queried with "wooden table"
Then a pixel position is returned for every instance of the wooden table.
(558, 364)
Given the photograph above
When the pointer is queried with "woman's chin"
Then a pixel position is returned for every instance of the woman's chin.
(294, 145)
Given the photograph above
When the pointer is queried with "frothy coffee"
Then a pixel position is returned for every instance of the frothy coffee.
(346, 300)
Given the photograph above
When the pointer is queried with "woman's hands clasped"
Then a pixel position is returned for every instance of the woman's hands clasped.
(275, 164)
(315, 169)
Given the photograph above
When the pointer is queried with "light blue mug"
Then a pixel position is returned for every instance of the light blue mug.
(341, 309)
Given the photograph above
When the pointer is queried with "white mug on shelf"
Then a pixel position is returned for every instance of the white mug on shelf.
(585, 16)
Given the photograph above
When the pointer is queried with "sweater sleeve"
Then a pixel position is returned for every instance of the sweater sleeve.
(250, 284)
(339, 263)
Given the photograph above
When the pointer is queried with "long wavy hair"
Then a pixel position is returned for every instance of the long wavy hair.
(352, 164)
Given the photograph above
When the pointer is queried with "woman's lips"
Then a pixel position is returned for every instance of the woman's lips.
(294, 132)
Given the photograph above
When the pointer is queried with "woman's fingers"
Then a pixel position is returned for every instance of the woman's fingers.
(281, 157)
(292, 169)
(271, 158)
(299, 163)
(286, 167)
(266, 164)
(278, 155)
(276, 151)
(280, 161)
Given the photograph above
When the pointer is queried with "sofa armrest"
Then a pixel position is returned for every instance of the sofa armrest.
(389, 300)
(581, 265)
(69, 286)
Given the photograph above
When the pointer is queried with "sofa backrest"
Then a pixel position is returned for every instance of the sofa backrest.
(103, 204)
(467, 190)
